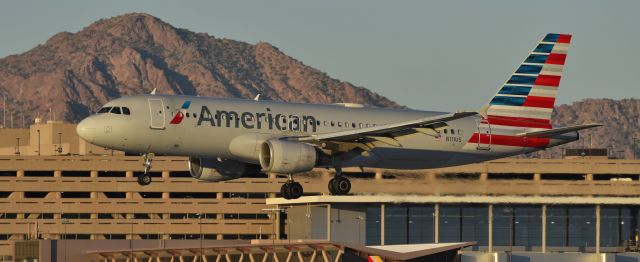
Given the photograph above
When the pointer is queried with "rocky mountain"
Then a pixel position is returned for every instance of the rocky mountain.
(73, 74)
(621, 120)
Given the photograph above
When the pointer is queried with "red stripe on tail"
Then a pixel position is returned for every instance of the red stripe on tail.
(539, 101)
(547, 80)
(564, 39)
(503, 140)
(556, 59)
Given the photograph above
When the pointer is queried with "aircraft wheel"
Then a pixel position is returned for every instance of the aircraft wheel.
(284, 191)
(339, 186)
(295, 190)
(332, 187)
(291, 190)
(144, 179)
(343, 185)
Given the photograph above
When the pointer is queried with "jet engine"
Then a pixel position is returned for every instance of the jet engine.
(280, 156)
(215, 169)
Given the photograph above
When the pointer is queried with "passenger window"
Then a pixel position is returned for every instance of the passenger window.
(453, 132)
(116, 110)
(104, 110)
(317, 122)
(445, 131)
(339, 124)
(195, 115)
(367, 125)
(125, 111)
(332, 124)
(360, 125)
(187, 114)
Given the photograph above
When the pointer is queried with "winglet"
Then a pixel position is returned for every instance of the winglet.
(153, 92)
(257, 97)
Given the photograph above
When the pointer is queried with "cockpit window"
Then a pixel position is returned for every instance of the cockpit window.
(104, 110)
(116, 110)
(125, 110)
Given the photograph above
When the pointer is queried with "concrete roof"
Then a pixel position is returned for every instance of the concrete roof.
(413, 247)
(470, 199)
(407, 252)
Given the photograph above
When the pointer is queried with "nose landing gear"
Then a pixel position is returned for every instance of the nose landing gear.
(291, 189)
(145, 179)
(339, 185)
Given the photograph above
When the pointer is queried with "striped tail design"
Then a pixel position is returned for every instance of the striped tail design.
(527, 98)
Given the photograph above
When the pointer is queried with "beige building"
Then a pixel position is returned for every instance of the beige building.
(80, 195)
(47, 139)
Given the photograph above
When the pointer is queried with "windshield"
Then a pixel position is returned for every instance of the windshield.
(115, 110)
(104, 110)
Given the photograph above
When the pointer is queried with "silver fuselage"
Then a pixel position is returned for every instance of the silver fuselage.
(211, 127)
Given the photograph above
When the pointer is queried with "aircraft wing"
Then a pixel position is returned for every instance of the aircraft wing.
(384, 131)
(557, 131)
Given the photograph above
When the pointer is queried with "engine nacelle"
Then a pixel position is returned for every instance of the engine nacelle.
(280, 156)
(212, 169)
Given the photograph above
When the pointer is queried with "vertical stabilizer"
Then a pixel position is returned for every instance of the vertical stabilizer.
(528, 97)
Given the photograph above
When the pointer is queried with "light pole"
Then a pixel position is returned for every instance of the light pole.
(17, 146)
(201, 236)
(38, 141)
(59, 149)
(511, 212)
(65, 222)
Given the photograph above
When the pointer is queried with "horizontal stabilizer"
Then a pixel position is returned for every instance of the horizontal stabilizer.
(557, 131)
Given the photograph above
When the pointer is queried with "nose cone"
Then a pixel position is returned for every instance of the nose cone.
(87, 129)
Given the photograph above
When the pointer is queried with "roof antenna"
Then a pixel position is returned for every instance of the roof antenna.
(257, 98)
(153, 92)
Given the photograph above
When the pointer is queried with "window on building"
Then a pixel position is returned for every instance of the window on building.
(517, 225)
(420, 221)
(75, 194)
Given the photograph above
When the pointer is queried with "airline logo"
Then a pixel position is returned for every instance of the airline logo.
(177, 119)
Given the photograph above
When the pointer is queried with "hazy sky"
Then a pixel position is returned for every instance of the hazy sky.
(441, 55)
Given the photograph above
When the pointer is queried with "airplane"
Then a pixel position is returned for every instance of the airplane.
(229, 138)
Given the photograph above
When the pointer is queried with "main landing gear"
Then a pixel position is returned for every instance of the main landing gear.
(291, 189)
(339, 185)
(145, 179)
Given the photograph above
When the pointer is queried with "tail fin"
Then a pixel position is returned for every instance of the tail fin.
(527, 98)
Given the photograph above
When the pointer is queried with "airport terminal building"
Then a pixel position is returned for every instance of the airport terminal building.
(524, 207)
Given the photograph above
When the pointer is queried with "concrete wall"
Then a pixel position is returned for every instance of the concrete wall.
(348, 224)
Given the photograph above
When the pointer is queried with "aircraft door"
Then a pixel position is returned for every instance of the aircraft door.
(157, 112)
(484, 135)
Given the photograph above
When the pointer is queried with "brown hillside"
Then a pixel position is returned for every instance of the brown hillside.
(621, 119)
(75, 73)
